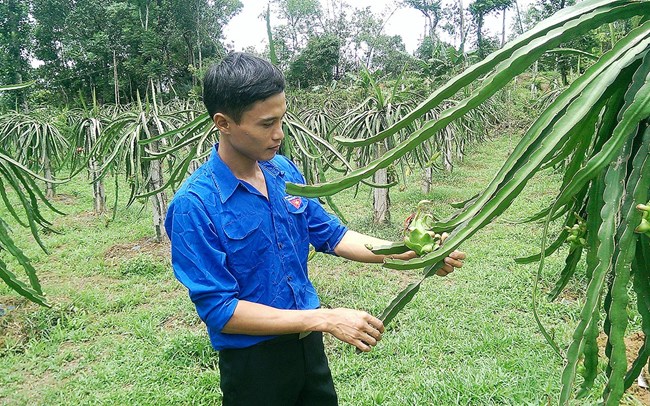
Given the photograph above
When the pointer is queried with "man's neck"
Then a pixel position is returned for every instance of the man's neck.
(241, 166)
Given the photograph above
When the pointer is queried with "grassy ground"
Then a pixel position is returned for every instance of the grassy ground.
(123, 331)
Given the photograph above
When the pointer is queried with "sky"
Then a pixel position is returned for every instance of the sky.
(248, 29)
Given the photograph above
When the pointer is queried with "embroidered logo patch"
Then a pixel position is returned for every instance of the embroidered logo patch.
(295, 201)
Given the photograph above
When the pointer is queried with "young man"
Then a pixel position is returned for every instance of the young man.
(240, 245)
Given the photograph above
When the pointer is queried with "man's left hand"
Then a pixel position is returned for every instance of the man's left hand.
(453, 261)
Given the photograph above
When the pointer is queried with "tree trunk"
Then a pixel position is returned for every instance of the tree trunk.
(115, 79)
(99, 194)
(50, 191)
(158, 204)
(158, 200)
(190, 55)
(426, 28)
(503, 29)
(533, 86)
(380, 196)
(462, 24)
(519, 23)
(195, 163)
(198, 46)
(426, 180)
(561, 61)
(448, 151)
(435, 20)
(479, 36)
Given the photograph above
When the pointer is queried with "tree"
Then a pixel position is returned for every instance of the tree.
(87, 130)
(335, 22)
(438, 59)
(200, 25)
(374, 50)
(117, 47)
(36, 140)
(334, 19)
(382, 107)
(14, 47)
(432, 11)
(18, 179)
(300, 17)
(132, 142)
(541, 10)
(453, 23)
(315, 64)
(479, 10)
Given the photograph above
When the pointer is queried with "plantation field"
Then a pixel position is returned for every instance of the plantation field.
(123, 331)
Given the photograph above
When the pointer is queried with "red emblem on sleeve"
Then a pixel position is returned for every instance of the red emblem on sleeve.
(295, 202)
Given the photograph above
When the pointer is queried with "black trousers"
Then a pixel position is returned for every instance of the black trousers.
(283, 371)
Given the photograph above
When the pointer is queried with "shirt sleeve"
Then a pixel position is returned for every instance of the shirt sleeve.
(199, 263)
(325, 229)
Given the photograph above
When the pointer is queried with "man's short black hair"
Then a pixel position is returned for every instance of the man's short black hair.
(232, 86)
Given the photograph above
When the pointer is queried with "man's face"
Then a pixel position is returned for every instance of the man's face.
(259, 133)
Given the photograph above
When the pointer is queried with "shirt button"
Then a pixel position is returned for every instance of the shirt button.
(280, 245)
(289, 278)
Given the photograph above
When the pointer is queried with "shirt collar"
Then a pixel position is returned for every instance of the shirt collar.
(225, 181)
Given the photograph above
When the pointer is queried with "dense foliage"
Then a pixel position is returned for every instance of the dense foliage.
(115, 47)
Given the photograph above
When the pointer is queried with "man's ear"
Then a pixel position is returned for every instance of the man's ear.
(222, 122)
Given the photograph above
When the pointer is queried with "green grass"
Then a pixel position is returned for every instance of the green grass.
(123, 331)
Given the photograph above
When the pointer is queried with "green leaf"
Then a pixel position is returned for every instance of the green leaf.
(571, 51)
(16, 86)
(399, 302)
(33, 292)
(566, 274)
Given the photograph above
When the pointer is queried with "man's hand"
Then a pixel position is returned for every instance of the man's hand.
(354, 327)
(454, 260)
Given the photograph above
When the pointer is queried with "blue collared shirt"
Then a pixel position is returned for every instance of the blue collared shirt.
(231, 243)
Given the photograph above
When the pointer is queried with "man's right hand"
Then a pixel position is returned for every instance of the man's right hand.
(354, 327)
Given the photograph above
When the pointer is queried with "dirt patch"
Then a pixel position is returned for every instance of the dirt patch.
(9, 303)
(87, 217)
(633, 343)
(79, 221)
(75, 284)
(13, 332)
(569, 295)
(34, 385)
(63, 198)
(22, 320)
(144, 246)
